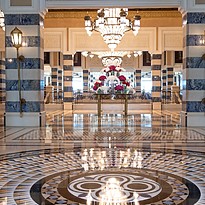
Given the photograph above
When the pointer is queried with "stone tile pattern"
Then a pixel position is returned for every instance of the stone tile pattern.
(18, 174)
(115, 134)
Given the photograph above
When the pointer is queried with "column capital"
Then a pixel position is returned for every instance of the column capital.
(28, 7)
(155, 52)
(191, 6)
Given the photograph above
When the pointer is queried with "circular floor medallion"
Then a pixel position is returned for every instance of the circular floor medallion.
(127, 186)
(147, 186)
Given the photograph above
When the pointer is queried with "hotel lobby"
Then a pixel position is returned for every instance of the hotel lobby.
(94, 119)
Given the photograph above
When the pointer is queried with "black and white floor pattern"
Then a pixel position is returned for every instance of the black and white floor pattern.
(63, 164)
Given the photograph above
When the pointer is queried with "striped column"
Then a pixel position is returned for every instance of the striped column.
(193, 70)
(31, 69)
(60, 84)
(85, 80)
(67, 80)
(138, 80)
(156, 80)
(54, 80)
(169, 83)
(2, 78)
(164, 84)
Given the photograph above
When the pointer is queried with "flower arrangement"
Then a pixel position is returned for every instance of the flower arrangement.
(119, 87)
(102, 78)
(97, 85)
(112, 81)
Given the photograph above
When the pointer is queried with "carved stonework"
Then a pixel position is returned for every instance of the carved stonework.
(94, 62)
(129, 62)
(93, 13)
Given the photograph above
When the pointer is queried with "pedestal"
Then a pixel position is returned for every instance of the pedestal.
(68, 106)
(28, 119)
(192, 119)
(157, 106)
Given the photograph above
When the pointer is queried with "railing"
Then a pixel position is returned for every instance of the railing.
(53, 97)
(169, 96)
(90, 97)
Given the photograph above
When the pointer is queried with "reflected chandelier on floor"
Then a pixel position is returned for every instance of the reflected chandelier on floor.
(112, 23)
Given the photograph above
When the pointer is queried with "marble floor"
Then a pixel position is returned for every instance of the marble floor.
(79, 158)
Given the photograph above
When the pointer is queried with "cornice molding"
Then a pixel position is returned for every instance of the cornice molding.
(93, 14)
(71, 4)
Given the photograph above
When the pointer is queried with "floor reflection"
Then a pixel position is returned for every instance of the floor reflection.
(69, 161)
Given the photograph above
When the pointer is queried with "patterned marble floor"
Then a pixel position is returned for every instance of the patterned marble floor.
(151, 159)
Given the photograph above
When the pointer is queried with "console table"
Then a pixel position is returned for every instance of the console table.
(121, 96)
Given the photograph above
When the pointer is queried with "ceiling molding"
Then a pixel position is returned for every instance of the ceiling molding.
(62, 4)
(144, 14)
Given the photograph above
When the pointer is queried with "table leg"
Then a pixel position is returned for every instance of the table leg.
(99, 105)
(126, 105)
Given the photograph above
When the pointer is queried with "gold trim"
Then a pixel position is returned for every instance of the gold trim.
(131, 14)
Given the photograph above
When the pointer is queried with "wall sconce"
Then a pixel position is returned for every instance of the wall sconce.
(16, 37)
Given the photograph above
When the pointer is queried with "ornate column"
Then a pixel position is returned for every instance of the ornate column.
(2, 78)
(85, 80)
(54, 77)
(67, 81)
(193, 104)
(60, 84)
(164, 84)
(169, 82)
(138, 75)
(156, 59)
(138, 80)
(31, 112)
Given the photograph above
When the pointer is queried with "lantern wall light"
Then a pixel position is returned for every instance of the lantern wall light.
(16, 38)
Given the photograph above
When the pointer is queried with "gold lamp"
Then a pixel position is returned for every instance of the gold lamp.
(16, 37)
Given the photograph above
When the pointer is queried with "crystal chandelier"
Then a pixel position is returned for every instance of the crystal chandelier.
(112, 58)
(112, 24)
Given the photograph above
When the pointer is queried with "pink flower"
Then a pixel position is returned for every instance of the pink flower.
(119, 87)
(122, 78)
(112, 68)
(98, 84)
(126, 83)
(102, 77)
(95, 87)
